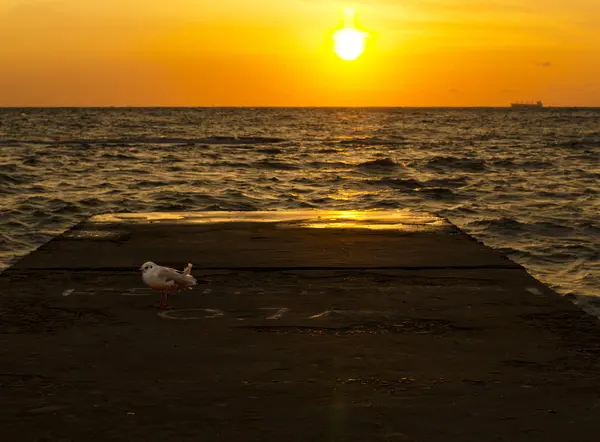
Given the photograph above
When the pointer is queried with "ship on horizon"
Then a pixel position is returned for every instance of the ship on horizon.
(527, 105)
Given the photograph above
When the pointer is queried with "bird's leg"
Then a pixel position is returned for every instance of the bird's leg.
(166, 304)
(160, 304)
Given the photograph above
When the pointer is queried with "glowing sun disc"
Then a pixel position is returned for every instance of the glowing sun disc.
(349, 43)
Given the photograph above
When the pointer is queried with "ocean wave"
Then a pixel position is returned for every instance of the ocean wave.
(10, 179)
(385, 203)
(329, 165)
(225, 140)
(31, 161)
(516, 253)
(503, 223)
(582, 143)
(276, 165)
(504, 162)
(515, 164)
(437, 193)
(455, 163)
(370, 141)
(383, 163)
(270, 151)
(119, 156)
(91, 202)
(232, 146)
(447, 182)
(395, 183)
(552, 228)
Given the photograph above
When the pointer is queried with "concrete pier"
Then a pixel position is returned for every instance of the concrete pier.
(306, 326)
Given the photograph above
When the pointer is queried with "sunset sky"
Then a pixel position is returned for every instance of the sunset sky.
(280, 53)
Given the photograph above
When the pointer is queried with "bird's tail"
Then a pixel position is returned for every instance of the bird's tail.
(191, 281)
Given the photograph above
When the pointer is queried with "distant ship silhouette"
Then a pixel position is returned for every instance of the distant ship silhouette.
(524, 105)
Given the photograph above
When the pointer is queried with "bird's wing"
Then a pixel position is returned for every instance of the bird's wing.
(173, 275)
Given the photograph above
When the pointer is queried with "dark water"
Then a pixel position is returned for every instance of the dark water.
(522, 181)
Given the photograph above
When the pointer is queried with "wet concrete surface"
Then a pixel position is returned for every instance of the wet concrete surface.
(412, 332)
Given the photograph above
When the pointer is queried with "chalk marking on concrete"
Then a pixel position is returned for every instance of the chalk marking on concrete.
(278, 314)
(357, 314)
(74, 292)
(168, 314)
(320, 315)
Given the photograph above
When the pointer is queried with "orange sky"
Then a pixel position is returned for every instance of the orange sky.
(279, 53)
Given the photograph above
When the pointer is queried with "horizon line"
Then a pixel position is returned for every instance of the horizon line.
(284, 107)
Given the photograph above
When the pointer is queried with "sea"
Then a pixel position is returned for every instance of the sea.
(525, 182)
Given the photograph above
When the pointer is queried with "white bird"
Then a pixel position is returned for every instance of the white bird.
(166, 280)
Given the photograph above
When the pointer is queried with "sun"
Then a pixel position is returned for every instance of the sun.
(349, 42)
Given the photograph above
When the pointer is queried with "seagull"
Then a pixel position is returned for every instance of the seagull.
(167, 280)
